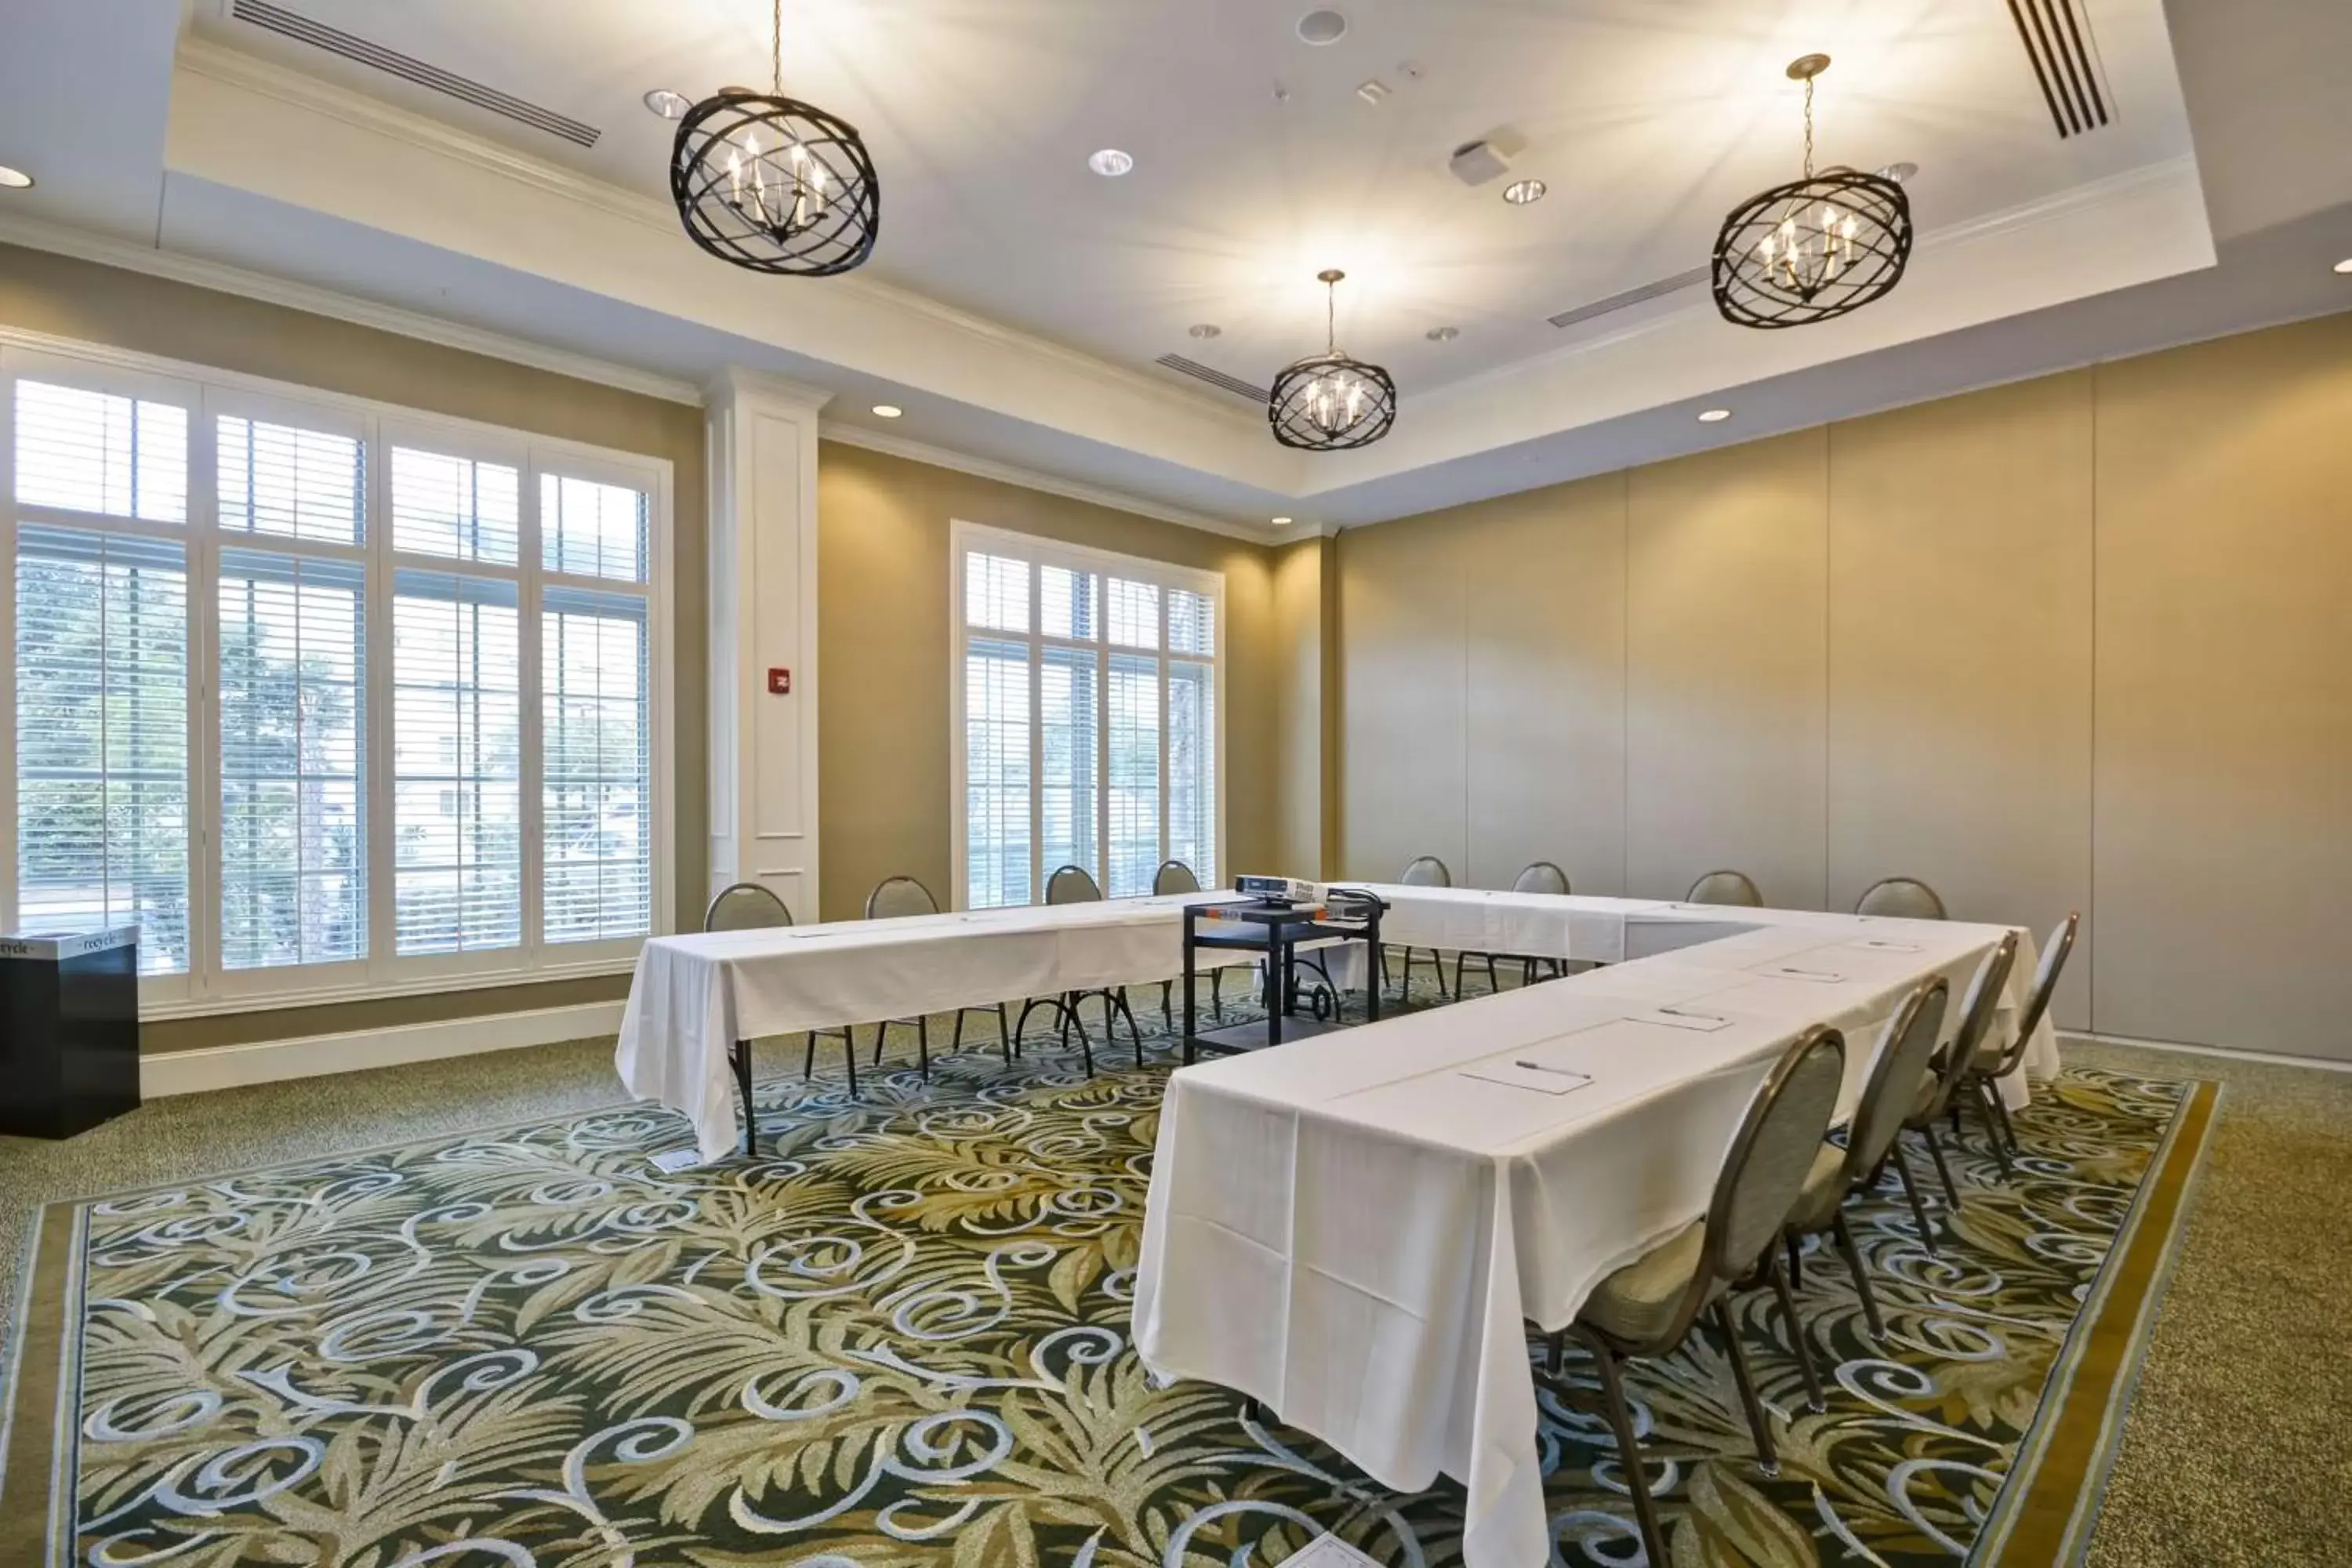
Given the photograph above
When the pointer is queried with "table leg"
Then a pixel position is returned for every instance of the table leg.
(739, 1057)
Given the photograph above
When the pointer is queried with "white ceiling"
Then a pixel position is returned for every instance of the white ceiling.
(1016, 299)
(1646, 120)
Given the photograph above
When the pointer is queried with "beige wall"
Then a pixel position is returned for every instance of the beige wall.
(70, 299)
(2077, 643)
(883, 640)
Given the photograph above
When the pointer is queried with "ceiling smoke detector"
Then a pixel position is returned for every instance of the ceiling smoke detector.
(1321, 27)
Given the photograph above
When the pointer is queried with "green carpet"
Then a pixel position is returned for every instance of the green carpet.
(900, 1336)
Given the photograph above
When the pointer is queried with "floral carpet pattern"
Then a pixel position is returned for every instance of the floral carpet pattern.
(900, 1335)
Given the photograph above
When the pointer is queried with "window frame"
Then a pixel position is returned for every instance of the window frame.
(965, 539)
(207, 395)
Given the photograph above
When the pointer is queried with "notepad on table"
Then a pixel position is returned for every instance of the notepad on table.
(1796, 971)
(1684, 1018)
(1525, 1074)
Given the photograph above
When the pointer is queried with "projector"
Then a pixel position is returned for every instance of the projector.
(1278, 889)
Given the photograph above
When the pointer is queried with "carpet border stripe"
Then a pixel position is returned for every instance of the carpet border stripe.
(2048, 1506)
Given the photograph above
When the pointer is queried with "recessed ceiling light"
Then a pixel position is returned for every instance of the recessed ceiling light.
(1207, 330)
(888, 410)
(1901, 173)
(1282, 522)
(2343, 266)
(667, 104)
(1322, 26)
(15, 179)
(1520, 192)
(1713, 416)
(1110, 162)
(1442, 334)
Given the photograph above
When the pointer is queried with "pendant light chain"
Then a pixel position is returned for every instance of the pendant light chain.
(1809, 124)
(776, 63)
(1331, 317)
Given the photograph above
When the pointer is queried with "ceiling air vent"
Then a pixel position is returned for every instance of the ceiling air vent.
(1215, 378)
(335, 41)
(2065, 58)
(1631, 298)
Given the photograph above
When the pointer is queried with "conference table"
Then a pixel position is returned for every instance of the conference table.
(1358, 1229)
(1355, 1228)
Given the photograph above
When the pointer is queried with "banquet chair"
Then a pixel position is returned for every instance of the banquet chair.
(1991, 1065)
(752, 906)
(1424, 871)
(1939, 1094)
(1650, 1305)
(1175, 876)
(898, 898)
(1539, 877)
(1076, 885)
(1734, 888)
(1900, 897)
(1876, 1132)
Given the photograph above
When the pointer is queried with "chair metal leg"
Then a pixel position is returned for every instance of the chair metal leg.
(1006, 1038)
(1629, 1451)
(1217, 995)
(1988, 1106)
(923, 1045)
(956, 1044)
(1767, 1458)
(1844, 1234)
(1936, 1147)
(1168, 1014)
(1134, 1033)
(1813, 1400)
(808, 1057)
(1911, 1192)
(881, 1033)
(849, 1056)
(1556, 1352)
(1492, 984)
(1796, 1261)
(2000, 1109)
(1459, 960)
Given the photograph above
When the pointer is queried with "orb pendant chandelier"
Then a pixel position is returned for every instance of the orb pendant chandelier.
(774, 185)
(1814, 249)
(1329, 402)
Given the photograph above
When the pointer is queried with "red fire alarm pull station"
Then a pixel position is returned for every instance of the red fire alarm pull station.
(780, 683)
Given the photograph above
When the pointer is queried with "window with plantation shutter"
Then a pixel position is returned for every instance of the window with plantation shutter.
(102, 735)
(293, 709)
(1086, 717)
(456, 762)
(332, 700)
(594, 712)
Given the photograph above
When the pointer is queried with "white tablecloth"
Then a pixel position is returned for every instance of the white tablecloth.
(694, 996)
(1353, 1231)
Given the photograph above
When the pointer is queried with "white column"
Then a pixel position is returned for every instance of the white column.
(763, 773)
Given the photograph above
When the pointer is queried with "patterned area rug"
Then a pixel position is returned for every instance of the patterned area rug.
(900, 1336)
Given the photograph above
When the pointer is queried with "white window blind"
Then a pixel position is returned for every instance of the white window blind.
(1088, 717)
(293, 842)
(596, 676)
(84, 450)
(456, 762)
(456, 507)
(101, 736)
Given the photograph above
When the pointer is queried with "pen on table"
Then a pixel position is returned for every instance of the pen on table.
(1538, 1067)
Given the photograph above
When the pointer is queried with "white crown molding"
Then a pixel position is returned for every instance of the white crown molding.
(107, 251)
(1035, 479)
(235, 68)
